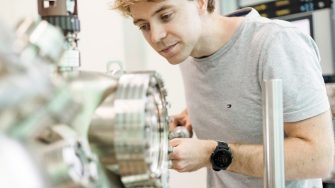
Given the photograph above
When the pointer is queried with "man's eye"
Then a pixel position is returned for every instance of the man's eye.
(144, 27)
(166, 17)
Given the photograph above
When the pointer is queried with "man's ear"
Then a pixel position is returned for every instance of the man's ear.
(202, 6)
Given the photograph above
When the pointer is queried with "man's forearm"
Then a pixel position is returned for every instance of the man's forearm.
(308, 147)
(302, 160)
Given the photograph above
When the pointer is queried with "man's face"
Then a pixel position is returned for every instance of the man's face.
(172, 27)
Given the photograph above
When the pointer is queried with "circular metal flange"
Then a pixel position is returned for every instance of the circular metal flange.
(141, 130)
(130, 131)
(67, 160)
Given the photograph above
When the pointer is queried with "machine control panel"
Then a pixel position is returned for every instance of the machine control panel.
(286, 7)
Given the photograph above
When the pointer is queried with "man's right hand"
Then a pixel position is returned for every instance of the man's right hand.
(181, 119)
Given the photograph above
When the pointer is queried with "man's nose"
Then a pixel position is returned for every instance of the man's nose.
(158, 32)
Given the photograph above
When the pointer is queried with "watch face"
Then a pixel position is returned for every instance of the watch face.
(222, 159)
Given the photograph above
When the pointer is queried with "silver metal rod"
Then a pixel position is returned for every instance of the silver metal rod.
(273, 134)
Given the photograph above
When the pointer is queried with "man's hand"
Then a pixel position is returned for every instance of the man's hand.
(190, 154)
(181, 119)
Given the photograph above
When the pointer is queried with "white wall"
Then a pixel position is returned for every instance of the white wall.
(101, 36)
(10, 12)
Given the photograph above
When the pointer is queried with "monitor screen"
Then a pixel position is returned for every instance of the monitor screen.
(305, 24)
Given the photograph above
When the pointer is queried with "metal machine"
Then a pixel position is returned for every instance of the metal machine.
(124, 117)
(35, 106)
(73, 128)
(64, 14)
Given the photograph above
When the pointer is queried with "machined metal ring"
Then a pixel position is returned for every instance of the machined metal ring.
(130, 130)
(141, 140)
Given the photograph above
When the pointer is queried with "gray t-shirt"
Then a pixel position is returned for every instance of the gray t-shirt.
(223, 91)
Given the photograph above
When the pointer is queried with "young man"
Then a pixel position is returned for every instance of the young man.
(224, 60)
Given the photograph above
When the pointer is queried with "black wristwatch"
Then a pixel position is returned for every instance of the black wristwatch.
(221, 157)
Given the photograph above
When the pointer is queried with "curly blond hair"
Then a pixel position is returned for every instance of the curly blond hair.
(123, 5)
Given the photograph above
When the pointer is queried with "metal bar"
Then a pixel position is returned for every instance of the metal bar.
(273, 134)
(332, 26)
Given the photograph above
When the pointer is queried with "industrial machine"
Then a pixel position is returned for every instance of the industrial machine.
(35, 111)
(71, 128)
(124, 118)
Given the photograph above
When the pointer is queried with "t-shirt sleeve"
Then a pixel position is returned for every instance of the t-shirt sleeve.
(293, 57)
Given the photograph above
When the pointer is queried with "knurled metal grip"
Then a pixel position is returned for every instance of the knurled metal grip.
(66, 23)
(60, 13)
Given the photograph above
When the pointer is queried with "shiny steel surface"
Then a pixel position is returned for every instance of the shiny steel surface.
(66, 160)
(64, 15)
(24, 65)
(273, 134)
(130, 130)
(179, 132)
(33, 101)
(141, 141)
(32, 98)
(39, 38)
(51, 115)
(106, 96)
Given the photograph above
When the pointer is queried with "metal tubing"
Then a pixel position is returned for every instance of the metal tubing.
(273, 136)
